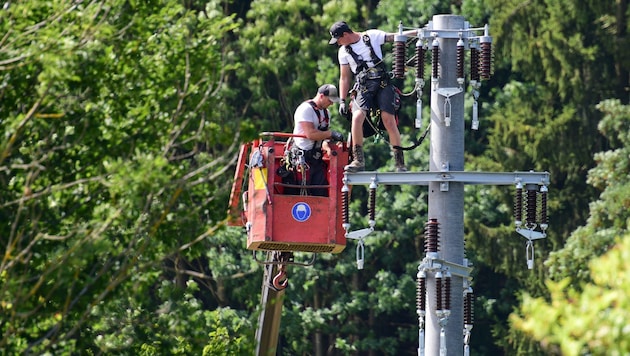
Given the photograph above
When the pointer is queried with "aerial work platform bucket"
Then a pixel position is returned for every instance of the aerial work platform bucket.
(276, 220)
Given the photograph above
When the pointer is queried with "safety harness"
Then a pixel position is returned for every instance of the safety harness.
(362, 65)
(319, 116)
(294, 167)
(326, 123)
(363, 72)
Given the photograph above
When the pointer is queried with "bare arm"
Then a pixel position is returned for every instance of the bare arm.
(345, 79)
(409, 33)
(312, 133)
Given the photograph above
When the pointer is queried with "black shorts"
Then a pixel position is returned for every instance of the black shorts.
(371, 96)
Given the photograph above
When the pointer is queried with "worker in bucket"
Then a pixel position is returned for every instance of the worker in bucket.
(312, 120)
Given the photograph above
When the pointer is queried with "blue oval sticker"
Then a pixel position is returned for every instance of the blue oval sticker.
(301, 211)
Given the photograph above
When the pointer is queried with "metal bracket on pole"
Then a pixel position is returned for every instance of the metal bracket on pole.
(530, 235)
(359, 235)
(434, 264)
(444, 184)
(447, 93)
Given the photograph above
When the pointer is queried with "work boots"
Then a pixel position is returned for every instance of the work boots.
(400, 161)
(358, 163)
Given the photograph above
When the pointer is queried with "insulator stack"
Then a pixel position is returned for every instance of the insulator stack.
(474, 64)
(372, 203)
(344, 206)
(543, 207)
(399, 53)
(438, 291)
(421, 291)
(420, 54)
(399, 59)
(447, 291)
(431, 236)
(518, 205)
(460, 60)
(435, 52)
(531, 207)
(468, 307)
(486, 58)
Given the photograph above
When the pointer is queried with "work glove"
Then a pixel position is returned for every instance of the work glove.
(343, 109)
(336, 136)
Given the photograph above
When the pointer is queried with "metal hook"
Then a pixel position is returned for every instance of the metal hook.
(280, 281)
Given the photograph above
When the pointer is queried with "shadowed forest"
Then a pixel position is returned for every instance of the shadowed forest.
(121, 123)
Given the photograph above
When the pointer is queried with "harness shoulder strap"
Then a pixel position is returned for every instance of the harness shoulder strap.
(314, 106)
(318, 113)
(361, 64)
(318, 144)
(375, 58)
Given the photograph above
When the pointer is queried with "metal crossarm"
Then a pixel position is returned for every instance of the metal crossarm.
(424, 178)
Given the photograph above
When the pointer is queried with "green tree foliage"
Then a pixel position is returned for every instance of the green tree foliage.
(609, 215)
(114, 150)
(585, 318)
(282, 44)
(558, 74)
(585, 311)
(121, 122)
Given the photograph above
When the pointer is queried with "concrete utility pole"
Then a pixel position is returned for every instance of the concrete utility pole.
(446, 200)
(444, 283)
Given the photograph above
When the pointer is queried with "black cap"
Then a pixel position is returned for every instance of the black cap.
(337, 30)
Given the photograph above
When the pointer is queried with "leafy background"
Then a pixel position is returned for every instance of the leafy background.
(121, 124)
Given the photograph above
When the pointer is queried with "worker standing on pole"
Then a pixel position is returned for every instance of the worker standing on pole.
(360, 55)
